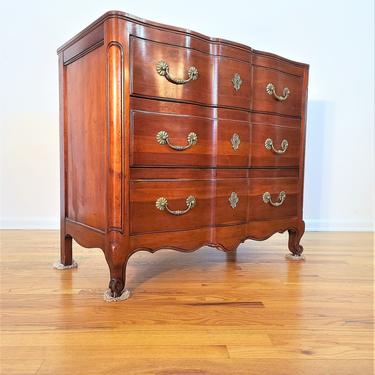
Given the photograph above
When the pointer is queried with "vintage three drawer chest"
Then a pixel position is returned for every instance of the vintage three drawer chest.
(174, 140)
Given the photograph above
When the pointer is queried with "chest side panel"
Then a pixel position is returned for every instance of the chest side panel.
(86, 139)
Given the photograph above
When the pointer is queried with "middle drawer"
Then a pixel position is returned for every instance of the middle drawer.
(160, 136)
(162, 139)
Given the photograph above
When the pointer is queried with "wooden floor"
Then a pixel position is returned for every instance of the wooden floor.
(190, 314)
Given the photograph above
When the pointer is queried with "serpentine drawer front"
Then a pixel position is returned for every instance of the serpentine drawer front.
(273, 198)
(277, 91)
(274, 146)
(169, 71)
(186, 204)
(172, 139)
(165, 139)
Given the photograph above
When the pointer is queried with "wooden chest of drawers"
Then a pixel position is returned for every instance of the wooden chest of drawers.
(171, 139)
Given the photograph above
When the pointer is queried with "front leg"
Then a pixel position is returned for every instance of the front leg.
(117, 258)
(295, 235)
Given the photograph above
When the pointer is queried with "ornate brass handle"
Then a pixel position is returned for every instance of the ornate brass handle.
(162, 204)
(268, 199)
(271, 90)
(268, 144)
(163, 70)
(163, 138)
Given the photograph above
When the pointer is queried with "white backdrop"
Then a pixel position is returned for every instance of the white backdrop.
(335, 37)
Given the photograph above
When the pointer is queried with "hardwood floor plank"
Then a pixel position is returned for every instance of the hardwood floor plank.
(157, 366)
(116, 352)
(122, 338)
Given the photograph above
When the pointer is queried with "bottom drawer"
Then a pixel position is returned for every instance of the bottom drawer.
(172, 205)
(273, 198)
(161, 203)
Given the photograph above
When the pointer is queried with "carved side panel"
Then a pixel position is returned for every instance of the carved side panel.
(115, 124)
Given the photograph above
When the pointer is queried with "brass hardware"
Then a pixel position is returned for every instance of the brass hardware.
(233, 199)
(162, 204)
(268, 144)
(162, 69)
(163, 138)
(271, 90)
(237, 81)
(235, 141)
(268, 199)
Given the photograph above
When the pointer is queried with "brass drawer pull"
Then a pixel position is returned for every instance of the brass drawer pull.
(233, 200)
(271, 90)
(162, 69)
(268, 144)
(163, 138)
(268, 199)
(162, 204)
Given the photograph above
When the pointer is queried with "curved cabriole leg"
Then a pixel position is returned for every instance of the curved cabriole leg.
(295, 235)
(117, 259)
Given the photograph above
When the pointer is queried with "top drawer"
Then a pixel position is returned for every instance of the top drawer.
(277, 92)
(179, 73)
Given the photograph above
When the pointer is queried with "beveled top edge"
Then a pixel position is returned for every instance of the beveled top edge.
(139, 20)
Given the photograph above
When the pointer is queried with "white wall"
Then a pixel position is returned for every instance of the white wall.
(335, 37)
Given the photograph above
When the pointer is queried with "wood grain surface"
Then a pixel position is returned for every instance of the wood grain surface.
(206, 312)
(85, 161)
